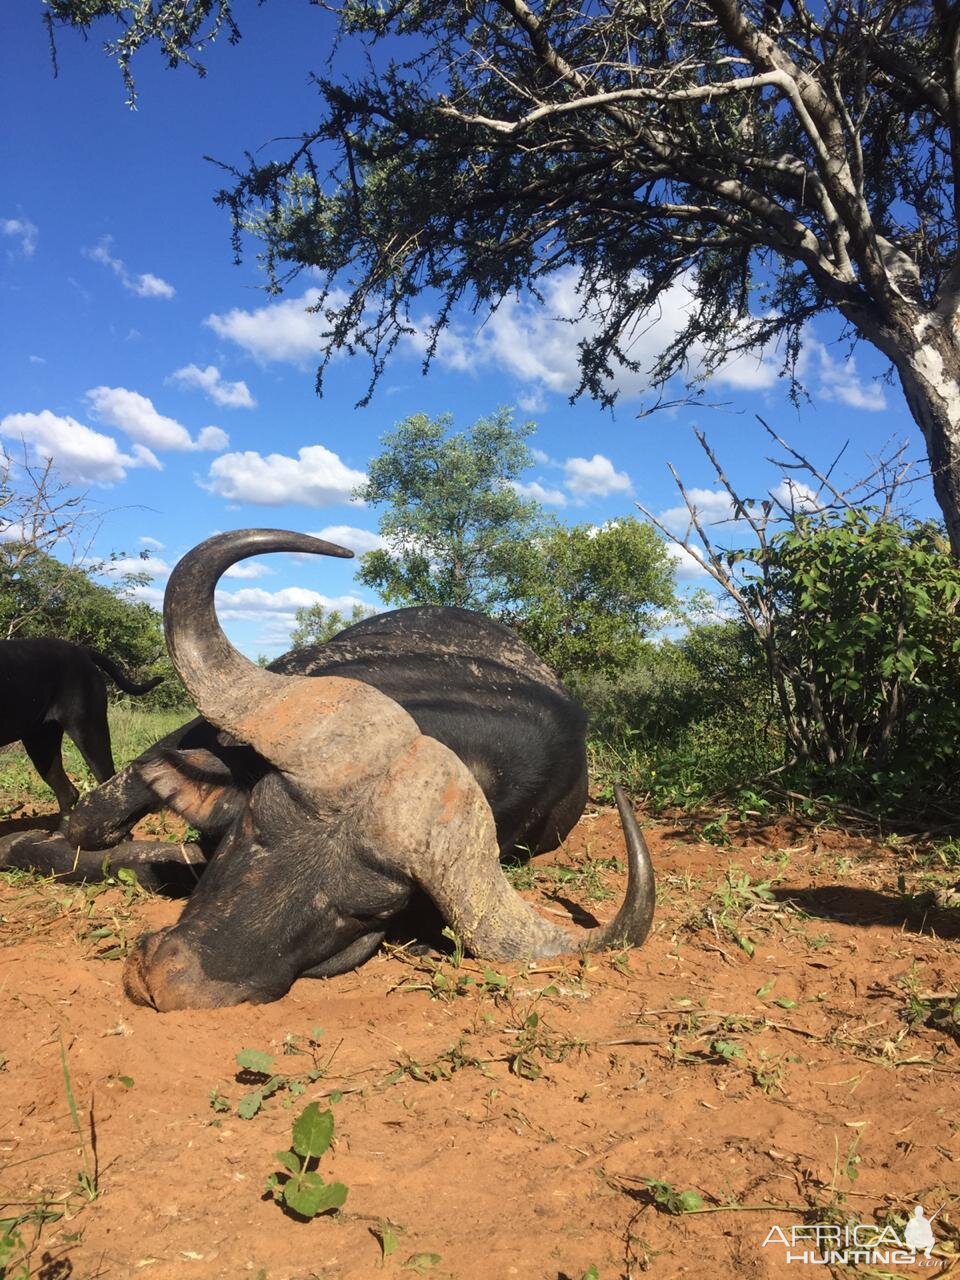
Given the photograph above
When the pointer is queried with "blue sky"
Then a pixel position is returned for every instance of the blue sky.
(164, 381)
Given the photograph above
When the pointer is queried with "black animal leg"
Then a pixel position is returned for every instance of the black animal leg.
(43, 748)
(91, 733)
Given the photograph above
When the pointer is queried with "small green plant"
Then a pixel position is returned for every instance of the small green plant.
(849, 1163)
(940, 1011)
(715, 831)
(443, 1067)
(768, 1074)
(87, 1177)
(725, 1050)
(587, 878)
(521, 873)
(668, 1199)
(300, 1188)
(259, 1069)
(13, 1266)
(387, 1236)
(421, 1263)
(534, 1042)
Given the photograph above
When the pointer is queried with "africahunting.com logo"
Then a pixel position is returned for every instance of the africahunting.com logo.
(864, 1243)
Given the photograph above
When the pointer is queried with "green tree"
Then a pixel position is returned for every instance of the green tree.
(456, 531)
(316, 623)
(589, 596)
(773, 159)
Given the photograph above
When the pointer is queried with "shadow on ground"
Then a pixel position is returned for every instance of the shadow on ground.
(864, 908)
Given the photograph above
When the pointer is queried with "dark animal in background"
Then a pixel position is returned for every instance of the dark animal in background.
(52, 687)
(394, 762)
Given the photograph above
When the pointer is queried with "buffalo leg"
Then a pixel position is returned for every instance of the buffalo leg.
(91, 733)
(43, 748)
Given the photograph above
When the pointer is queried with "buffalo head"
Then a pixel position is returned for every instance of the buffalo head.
(356, 812)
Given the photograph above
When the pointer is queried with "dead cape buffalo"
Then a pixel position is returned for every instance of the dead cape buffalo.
(399, 758)
(51, 687)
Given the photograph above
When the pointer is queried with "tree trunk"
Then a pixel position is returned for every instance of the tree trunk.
(925, 350)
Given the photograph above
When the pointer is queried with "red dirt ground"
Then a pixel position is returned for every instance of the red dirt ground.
(485, 1142)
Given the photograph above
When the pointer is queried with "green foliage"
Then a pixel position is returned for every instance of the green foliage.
(300, 1188)
(267, 1078)
(133, 728)
(316, 623)
(453, 181)
(457, 533)
(669, 1200)
(865, 641)
(692, 719)
(770, 163)
(588, 596)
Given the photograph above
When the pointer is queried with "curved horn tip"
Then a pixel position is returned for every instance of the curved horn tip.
(634, 920)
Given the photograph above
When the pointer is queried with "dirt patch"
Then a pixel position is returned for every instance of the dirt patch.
(784, 1039)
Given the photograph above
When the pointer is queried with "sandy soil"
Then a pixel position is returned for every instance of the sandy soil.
(767, 1050)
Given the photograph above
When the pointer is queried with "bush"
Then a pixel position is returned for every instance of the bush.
(693, 718)
(864, 638)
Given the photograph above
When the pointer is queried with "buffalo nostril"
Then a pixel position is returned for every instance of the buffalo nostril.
(166, 973)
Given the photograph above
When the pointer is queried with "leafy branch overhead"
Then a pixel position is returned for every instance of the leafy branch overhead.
(758, 163)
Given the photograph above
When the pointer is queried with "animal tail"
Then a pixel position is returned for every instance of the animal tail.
(118, 677)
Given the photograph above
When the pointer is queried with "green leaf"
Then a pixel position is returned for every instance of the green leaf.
(421, 1262)
(255, 1060)
(309, 1195)
(249, 1105)
(690, 1201)
(312, 1131)
(290, 1160)
(389, 1242)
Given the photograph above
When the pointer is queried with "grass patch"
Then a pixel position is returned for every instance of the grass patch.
(132, 729)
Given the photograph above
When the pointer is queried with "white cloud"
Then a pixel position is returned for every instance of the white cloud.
(230, 395)
(594, 477)
(254, 602)
(532, 401)
(285, 331)
(317, 477)
(748, 371)
(152, 596)
(144, 285)
(248, 569)
(794, 495)
(357, 540)
(23, 230)
(152, 543)
(539, 343)
(838, 380)
(540, 493)
(152, 565)
(135, 415)
(713, 506)
(78, 452)
(37, 359)
(688, 567)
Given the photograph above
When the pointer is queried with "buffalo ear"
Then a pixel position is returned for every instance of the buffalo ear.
(196, 784)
